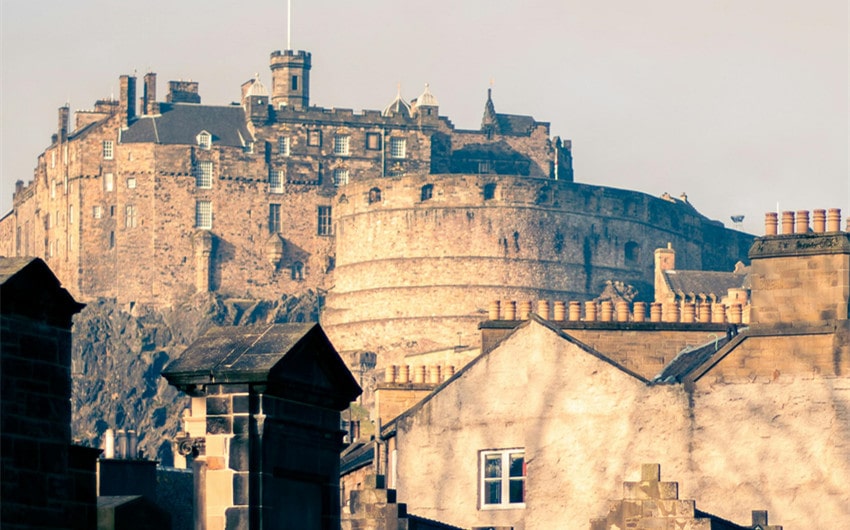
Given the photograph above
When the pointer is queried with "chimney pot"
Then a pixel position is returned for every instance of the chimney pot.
(770, 223)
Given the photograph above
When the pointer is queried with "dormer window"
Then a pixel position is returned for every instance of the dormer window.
(204, 140)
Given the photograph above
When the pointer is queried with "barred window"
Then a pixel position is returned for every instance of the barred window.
(108, 149)
(274, 218)
(203, 174)
(398, 148)
(325, 227)
(340, 177)
(341, 143)
(203, 215)
(276, 181)
(283, 145)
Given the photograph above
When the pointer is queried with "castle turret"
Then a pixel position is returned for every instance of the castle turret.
(426, 106)
(290, 79)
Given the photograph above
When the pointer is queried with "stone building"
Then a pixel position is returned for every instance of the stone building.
(536, 430)
(45, 482)
(149, 203)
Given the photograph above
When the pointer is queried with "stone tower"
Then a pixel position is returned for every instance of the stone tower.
(290, 79)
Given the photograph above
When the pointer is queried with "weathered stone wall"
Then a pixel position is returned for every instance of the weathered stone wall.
(446, 257)
(775, 445)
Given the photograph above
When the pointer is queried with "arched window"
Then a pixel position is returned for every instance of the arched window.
(632, 253)
(374, 195)
(489, 191)
(427, 192)
(297, 271)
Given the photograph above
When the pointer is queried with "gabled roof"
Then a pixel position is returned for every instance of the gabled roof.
(704, 282)
(533, 320)
(291, 358)
(29, 288)
(515, 124)
(689, 360)
(180, 123)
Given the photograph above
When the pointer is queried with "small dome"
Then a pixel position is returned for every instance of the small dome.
(427, 99)
(398, 107)
(257, 87)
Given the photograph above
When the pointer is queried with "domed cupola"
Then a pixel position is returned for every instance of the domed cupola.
(426, 104)
(256, 100)
(257, 87)
(398, 107)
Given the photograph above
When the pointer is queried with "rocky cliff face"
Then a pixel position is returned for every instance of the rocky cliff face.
(119, 352)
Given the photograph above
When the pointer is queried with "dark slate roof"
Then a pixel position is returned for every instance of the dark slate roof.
(514, 124)
(180, 123)
(500, 150)
(704, 282)
(690, 359)
(289, 357)
(28, 288)
(356, 456)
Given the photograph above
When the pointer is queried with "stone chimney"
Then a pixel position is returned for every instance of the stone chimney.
(665, 260)
(64, 114)
(183, 92)
(127, 99)
(149, 104)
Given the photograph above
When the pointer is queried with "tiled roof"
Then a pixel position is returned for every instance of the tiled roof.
(180, 123)
(704, 282)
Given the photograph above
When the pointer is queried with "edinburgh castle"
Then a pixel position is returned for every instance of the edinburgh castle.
(389, 218)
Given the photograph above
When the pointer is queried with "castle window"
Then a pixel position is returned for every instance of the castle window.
(325, 226)
(296, 271)
(632, 253)
(398, 147)
(249, 148)
(108, 149)
(395, 173)
(53, 189)
(203, 174)
(283, 145)
(484, 166)
(489, 191)
(294, 84)
(502, 479)
(96, 212)
(71, 214)
(274, 218)
(340, 177)
(108, 182)
(427, 192)
(204, 140)
(374, 195)
(341, 142)
(373, 141)
(130, 216)
(111, 239)
(276, 181)
(112, 211)
(203, 215)
(314, 138)
(53, 159)
(131, 183)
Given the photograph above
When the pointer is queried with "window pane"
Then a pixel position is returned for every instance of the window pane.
(517, 488)
(493, 466)
(493, 492)
(517, 467)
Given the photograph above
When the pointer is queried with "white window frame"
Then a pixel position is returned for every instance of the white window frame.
(283, 145)
(130, 216)
(204, 140)
(340, 177)
(53, 189)
(204, 174)
(276, 178)
(108, 182)
(504, 479)
(131, 183)
(203, 215)
(108, 149)
(70, 214)
(97, 212)
(342, 144)
(398, 147)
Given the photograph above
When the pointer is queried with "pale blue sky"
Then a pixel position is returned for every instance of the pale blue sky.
(742, 104)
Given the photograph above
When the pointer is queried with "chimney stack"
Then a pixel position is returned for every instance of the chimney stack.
(149, 105)
(127, 99)
(64, 114)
